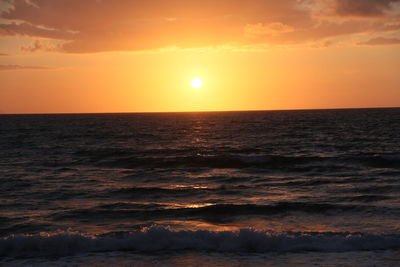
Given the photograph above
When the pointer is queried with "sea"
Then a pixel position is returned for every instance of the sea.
(256, 188)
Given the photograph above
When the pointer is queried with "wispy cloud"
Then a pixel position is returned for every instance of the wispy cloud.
(22, 67)
(41, 45)
(382, 41)
(28, 29)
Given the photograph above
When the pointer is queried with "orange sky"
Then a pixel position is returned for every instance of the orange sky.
(62, 56)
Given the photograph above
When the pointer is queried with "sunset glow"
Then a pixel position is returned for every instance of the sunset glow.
(199, 132)
(138, 56)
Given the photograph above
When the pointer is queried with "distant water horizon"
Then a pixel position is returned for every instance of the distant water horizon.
(203, 187)
(195, 111)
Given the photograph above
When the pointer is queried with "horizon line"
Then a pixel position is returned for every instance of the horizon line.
(195, 111)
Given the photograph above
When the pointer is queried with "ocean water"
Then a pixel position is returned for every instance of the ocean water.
(272, 188)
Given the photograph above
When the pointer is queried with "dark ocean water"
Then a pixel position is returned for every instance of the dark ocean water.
(226, 182)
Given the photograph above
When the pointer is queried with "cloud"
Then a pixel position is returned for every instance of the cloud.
(41, 45)
(276, 28)
(364, 7)
(381, 41)
(97, 26)
(3, 54)
(21, 67)
(28, 29)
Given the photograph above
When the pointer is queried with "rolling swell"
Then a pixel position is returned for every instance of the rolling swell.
(206, 161)
(197, 159)
(212, 213)
(161, 239)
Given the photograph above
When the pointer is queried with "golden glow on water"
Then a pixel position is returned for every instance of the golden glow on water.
(169, 205)
(274, 196)
(190, 187)
(277, 224)
(179, 225)
(188, 206)
(196, 206)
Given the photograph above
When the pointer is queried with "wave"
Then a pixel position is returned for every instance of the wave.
(135, 192)
(383, 161)
(360, 198)
(130, 158)
(219, 213)
(158, 239)
(199, 161)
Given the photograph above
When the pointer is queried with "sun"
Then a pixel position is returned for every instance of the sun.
(197, 83)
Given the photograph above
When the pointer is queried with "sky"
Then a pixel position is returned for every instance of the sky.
(74, 56)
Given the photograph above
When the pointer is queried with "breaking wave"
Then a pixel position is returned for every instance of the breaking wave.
(156, 239)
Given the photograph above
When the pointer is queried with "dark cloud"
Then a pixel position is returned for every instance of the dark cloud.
(364, 7)
(382, 41)
(3, 54)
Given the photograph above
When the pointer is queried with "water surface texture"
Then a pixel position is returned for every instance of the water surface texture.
(321, 181)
